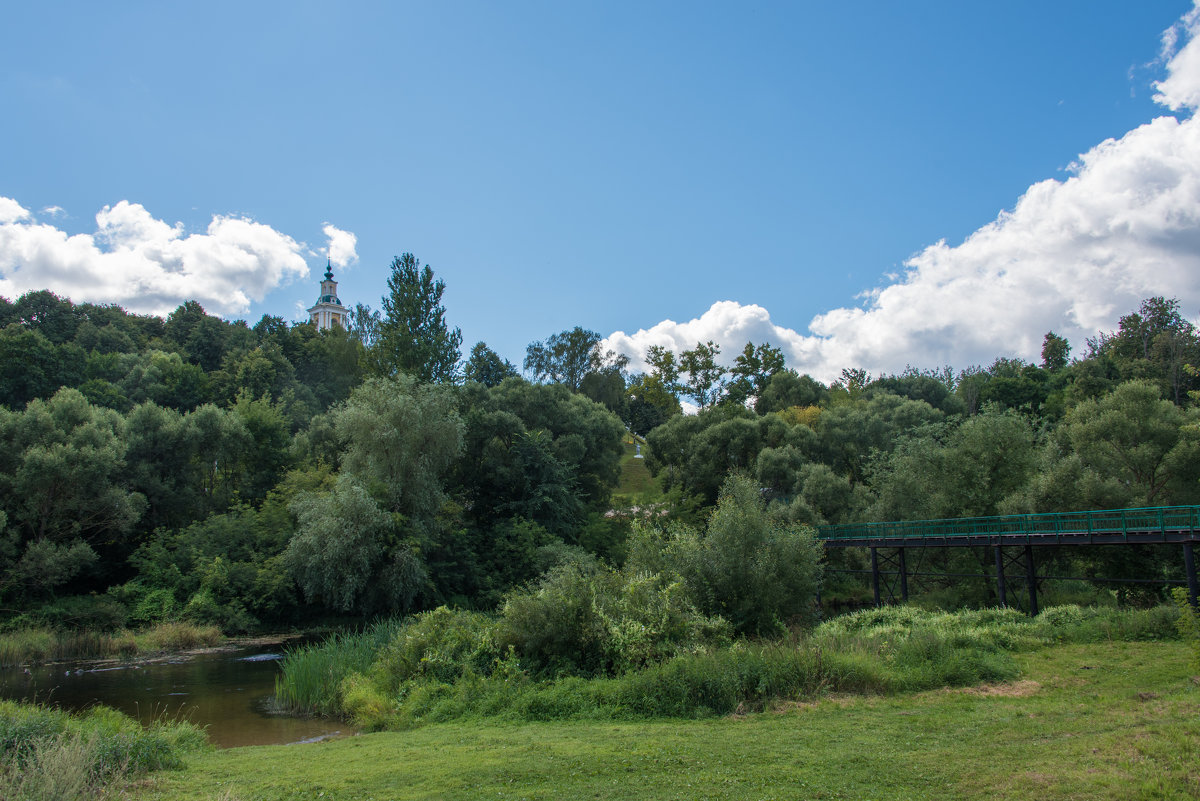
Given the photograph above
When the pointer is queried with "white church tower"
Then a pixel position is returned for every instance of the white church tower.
(328, 310)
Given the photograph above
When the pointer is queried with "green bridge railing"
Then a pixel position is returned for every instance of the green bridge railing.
(1107, 522)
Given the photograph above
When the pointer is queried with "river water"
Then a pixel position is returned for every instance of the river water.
(224, 691)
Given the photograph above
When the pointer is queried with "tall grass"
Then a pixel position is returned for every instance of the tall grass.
(440, 666)
(25, 646)
(311, 675)
(49, 754)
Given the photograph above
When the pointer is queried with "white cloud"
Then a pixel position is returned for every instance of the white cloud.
(145, 264)
(1072, 256)
(54, 211)
(342, 246)
(11, 211)
(1181, 88)
(728, 324)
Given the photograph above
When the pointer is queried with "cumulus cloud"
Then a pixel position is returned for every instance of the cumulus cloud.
(1072, 256)
(342, 246)
(727, 323)
(144, 264)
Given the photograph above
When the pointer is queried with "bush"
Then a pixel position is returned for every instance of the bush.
(439, 645)
(745, 568)
(595, 622)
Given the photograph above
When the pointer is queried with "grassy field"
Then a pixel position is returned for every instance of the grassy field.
(1113, 720)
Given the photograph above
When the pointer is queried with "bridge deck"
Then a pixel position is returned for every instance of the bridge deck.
(1164, 524)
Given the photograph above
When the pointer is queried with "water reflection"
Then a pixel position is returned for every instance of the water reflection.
(225, 691)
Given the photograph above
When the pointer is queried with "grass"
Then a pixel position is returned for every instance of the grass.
(50, 754)
(35, 645)
(404, 674)
(636, 486)
(315, 672)
(1104, 720)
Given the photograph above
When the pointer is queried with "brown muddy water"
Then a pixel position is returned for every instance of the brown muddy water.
(226, 692)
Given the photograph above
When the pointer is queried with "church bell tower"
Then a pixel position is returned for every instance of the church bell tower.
(328, 310)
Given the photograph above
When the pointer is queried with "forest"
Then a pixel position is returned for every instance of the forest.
(259, 477)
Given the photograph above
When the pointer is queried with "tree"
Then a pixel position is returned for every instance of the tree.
(400, 438)
(754, 573)
(1144, 444)
(1055, 351)
(752, 371)
(364, 325)
(413, 337)
(649, 403)
(1154, 343)
(786, 389)
(345, 554)
(703, 384)
(568, 357)
(487, 367)
(665, 368)
(62, 468)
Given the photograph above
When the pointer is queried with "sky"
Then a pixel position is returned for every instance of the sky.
(870, 185)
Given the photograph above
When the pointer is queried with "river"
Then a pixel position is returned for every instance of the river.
(224, 691)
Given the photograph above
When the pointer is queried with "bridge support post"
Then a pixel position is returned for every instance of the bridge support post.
(875, 576)
(1031, 578)
(903, 576)
(1000, 588)
(1189, 565)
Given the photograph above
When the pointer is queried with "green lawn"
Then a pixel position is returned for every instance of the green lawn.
(635, 485)
(1109, 721)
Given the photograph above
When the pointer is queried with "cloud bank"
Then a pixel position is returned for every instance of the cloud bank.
(1071, 256)
(148, 266)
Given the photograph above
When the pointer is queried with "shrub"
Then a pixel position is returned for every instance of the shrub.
(595, 621)
(745, 568)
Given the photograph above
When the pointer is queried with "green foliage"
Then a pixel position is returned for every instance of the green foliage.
(1135, 440)
(49, 754)
(965, 471)
(1188, 624)
(704, 384)
(400, 438)
(61, 467)
(787, 389)
(744, 567)
(487, 367)
(594, 621)
(310, 676)
(346, 554)
(412, 336)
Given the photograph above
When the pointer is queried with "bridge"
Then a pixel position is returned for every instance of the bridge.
(889, 542)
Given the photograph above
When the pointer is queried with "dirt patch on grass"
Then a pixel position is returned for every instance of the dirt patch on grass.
(788, 707)
(1016, 689)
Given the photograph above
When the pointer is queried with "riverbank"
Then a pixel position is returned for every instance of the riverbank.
(1083, 721)
(35, 646)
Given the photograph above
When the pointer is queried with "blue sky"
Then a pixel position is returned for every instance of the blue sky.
(618, 166)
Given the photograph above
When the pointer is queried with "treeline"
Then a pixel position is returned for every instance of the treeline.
(254, 476)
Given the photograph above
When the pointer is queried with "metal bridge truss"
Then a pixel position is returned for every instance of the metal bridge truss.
(1013, 539)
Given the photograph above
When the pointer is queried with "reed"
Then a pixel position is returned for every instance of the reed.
(311, 675)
